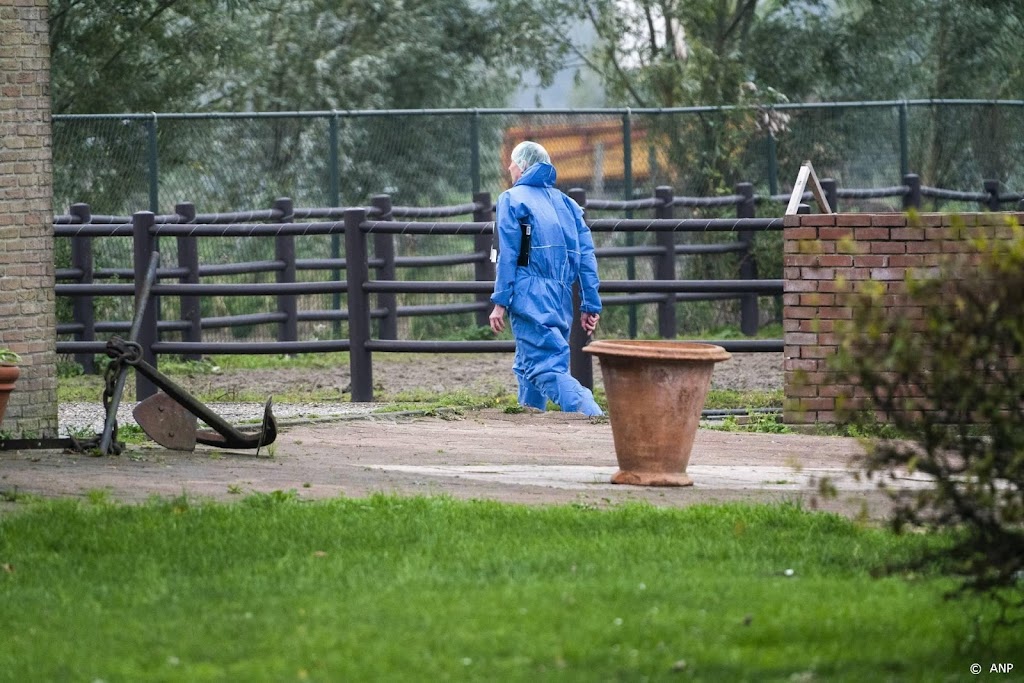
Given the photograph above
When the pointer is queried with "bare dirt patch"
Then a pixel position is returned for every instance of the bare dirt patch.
(487, 374)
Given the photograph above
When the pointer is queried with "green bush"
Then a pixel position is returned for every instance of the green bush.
(950, 382)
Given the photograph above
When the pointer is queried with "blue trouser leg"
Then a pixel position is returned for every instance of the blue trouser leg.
(542, 366)
(573, 397)
(529, 395)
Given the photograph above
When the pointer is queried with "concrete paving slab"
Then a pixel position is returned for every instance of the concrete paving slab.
(550, 458)
(739, 477)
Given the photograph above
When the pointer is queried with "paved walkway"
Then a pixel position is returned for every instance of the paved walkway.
(522, 458)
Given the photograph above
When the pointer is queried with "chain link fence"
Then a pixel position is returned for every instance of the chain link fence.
(120, 164)
(228, 162)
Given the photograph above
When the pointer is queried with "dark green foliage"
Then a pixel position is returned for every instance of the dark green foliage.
(951, 383)
(145, 56)
(68, 368)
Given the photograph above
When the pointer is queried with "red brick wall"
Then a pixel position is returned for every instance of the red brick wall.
(27, 309)
(825, 254)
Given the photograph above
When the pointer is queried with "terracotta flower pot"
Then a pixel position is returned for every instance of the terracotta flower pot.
(8, 376)
(656, 391)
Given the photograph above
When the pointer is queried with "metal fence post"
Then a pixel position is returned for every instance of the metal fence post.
(334, 198)
(153, 154)
(912, 199)
(773, 166)
(627, 182)
(482, 267)
(749, 314)
(143, 246)
(82, 311)
(627, 157)
(188, 258)
(474, 150)
(904, 139)
(333, 163)
(357, 272)
(284, 250)
(384, 251)
(665, 265)
(154, 165)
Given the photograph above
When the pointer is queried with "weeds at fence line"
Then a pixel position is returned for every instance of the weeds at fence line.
(212, 382)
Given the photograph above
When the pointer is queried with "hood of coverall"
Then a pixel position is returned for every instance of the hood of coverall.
(539, 175)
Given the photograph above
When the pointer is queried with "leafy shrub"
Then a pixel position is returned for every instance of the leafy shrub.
(946, 373)
(68, 367)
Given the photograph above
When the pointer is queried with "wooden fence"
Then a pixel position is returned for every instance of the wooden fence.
(375, 299)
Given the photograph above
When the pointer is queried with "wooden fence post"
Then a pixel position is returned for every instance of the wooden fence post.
(578, 195)
(912, 199)
(357, 272)
(284, 250)
(831, 190)
(188, 258)
(749, 314)
(82, 306)
(581, 365)
(144, 244)
(665, 265)
(483, 268)
(992, 190)
(384, 251)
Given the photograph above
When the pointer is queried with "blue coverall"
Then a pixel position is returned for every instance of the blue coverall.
(538, 296)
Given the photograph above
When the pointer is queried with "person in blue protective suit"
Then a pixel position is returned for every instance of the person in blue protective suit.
(544, 248)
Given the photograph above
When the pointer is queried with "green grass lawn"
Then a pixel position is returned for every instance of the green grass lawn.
(427, 589)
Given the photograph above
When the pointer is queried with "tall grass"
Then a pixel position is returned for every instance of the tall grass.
(430, 589)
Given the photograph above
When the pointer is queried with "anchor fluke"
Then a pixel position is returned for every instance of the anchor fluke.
(173, 425)
(167, 422)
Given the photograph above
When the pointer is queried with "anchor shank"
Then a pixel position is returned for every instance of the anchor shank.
(190, 403)
(115, 399)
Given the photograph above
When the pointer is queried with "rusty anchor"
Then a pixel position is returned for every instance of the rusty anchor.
(170, 416)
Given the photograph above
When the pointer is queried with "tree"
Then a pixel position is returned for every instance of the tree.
(670, 53)
(928, 49)
(275, 56)
(137, 56)
(950, 382)
(269, 55)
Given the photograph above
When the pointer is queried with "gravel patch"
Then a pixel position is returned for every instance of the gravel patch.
(396, 378)
(78, 418)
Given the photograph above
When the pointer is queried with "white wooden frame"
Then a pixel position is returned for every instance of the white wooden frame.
(807, 173)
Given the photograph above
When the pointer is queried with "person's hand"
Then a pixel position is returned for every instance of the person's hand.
(589, 322)
(497, 319)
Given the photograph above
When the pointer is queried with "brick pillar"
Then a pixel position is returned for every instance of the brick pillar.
(827, 255)
(27, 309)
